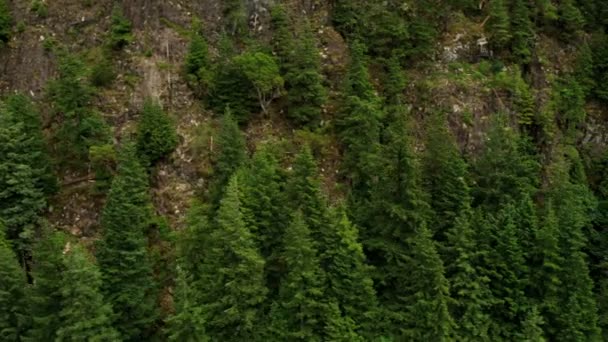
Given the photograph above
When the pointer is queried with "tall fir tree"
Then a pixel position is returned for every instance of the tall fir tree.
(522, 31)
(300, 312)
(349, 280)
(187, 323)
(304, 81)
(198, 66)
(232, 154)
(499, 24)
(45, 295)
(84, 314)
(128, 284)
(6, 22)
(283, 39)
(22, 198)
(14, 313)
(232, 283)
(156, 136)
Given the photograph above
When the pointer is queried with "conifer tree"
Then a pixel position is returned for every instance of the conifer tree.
(156, 136)
(6, 22)
(359, 124)
(522, 31)
(444, 176)
(232, 280)
(301, 311)
(187, 324)
(583, 71)
(45, 294)
(120, 31)
(232, 154)
(471, 297)
(304, 81)
(128, 284)
(84, 315)
(348, 277)
(264, 210)
(570, 18)
(197, 65)
(340, 328)
(499, 24)
(304, 194)
(22, 198)
(394, 85)
(20, 109)
(283, 40)
(235, 15)
(532, 331)
(14, 315)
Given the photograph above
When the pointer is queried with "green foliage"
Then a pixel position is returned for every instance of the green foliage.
(156, 135)
(103, 73)
(599, 46)
(524, 103)
(128, 284)
(103, 163)
(120, 30)
(300, 309)
(571, 19)
(522, 32)
(84, 315)
(45, 295)
(40, 8)
(583, 71)
(23, 175)
(232, 283)
(187, 324)
(6, 22)
(235, 17)
(13, 306)
(499, 24)
(304, 82)
(283, 39)
(197, 65)
(569, 98)
(262, 74)
(231, 155)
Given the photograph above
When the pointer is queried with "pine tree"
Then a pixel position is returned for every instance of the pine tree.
(20, 109)
(120, 31)
(426, 292)
(6, 23)
(187, 324)
(264, 210)
(156, 136)
(340, 328)
(359, 124)
(22, 197)
(499, 24)
(348, 277)
(14, 315)
(283, 40)
(84, 315)
(570, 18)
(45, 295)
(522, 32)
(128, 284)
(445, 177)
(235, 15)
(532, 331)
(304, 81)
(524, 103)
(197, 66)
(583, 71)
(232, 154)
(301, 295)
(232, 283)
(471, 297)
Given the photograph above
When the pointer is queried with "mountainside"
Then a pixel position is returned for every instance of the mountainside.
(278, 170)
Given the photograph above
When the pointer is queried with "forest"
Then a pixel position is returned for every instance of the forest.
(304, 170)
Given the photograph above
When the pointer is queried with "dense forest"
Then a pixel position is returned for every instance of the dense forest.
(304, 170)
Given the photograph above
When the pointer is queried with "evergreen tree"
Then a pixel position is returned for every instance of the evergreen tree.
(120, 31)
(532, 331)
(14, 315)
(22, 197)
(570, 18)
(45, 295)
(283, 40)
(348, 277)
(301, 305)
(21, 110)
(522, 31)
(499, 24)
(128, 284)
(84, 315)
(187, 324)
(156, 136)
(232, 280)
(471, 297)
(235, 15)
(232, 154)
(359, 124)
(304, 81)
(198, 67)
(583, 71)
(444, 176)
(264, 210)
(6, 22)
